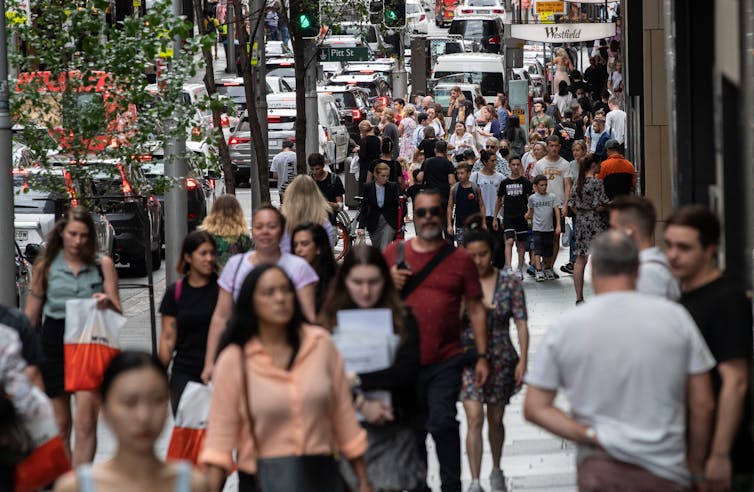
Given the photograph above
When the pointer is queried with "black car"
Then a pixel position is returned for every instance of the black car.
(353, 106)
(485, 31)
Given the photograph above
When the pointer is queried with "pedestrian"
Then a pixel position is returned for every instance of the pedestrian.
(543, 210)
(422, 121)
(636, 217)
(661, 387)
(537, 151)
(307, 205)
(267, 227)
(135, 398)
(386, 157)
(368, 150)
(562, 100)
(579, 150)
(390, 131)
(392, 459)
(439, 173)
(465, 200)
(280, 391)
(502, 150)
(31, 346)
(566, 131)
(186, 310)
(503, 298)
(513, 198)
(594, 134)
(379, 208)
(434, 280)
(516, 136)
(310, 242)
(596, 76)
(329, 183)
(399, 104)
(284, 167)
(541, 117)
(271, 21)
(558, 172)
(460, 140)
(488, 180)
(615, 81)
(228, 228)
(588, 202)
(615, 121)
(406, 130)
(70, 269)
(484, 127)
(435, 122)
(721, 309)
(617, 172)
(501, 110)
(427, 145)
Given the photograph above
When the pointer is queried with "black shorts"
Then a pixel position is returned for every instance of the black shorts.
(53, 365)
(543, 243)
(515, 228)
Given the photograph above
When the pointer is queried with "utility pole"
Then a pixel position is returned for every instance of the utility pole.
(400, 77)
(230, 62)
(176, 210)
(311, 105)
(259, 72)
(7, 230)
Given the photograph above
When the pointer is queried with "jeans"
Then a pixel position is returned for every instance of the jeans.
(438, 387)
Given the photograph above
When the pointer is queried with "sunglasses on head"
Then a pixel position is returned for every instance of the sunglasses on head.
(423, 212)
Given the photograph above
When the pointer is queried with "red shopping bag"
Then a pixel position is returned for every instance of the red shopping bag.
(91, 342)
(48, 460)
(190, 423)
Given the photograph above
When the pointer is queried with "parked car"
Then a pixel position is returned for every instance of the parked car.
(377, 87)
(480, 7)
(416, 17)
(445, 10)
(486, 69)
(484, 32)
(369, 33)
(353, 105)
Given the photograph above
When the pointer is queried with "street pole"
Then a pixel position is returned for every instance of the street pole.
(259, 73)
(311, 106)
(400, 82)
(7, 255)
(230, 18)
(176, 210)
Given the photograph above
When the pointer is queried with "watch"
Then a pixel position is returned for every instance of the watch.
(483, 355)
(591, 435)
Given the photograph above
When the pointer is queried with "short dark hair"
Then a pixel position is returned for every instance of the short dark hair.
(538, 178)
(421, 117)
(431, 192)
(287, 144)
(463, 166)
(698, 217)
(553, 138)
(315, 159)
(614, 253)
(441, 146)
(400, 101)
(639, 210)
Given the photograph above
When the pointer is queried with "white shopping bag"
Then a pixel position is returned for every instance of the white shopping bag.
(190, 424)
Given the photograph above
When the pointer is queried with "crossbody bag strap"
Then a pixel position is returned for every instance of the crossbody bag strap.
(417, 278)
(245, 395)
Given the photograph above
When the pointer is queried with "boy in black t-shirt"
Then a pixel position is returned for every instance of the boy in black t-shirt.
(512, 197)
(464, 195)
(329, 184)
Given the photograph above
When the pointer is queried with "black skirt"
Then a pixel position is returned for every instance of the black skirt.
(53, 365)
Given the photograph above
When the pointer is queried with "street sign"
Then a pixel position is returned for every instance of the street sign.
(550, 7)
(330, 54)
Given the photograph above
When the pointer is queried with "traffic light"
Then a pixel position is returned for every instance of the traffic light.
(307, 22)
(394, 13)
(375, 12)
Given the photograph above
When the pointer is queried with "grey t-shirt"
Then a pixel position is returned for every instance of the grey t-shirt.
(543, 206)
(623, 360)
(284, 164)
(655, 277)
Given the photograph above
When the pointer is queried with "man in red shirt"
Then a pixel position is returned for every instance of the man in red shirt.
(436, 302)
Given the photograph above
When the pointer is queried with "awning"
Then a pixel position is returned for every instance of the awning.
(563, 33)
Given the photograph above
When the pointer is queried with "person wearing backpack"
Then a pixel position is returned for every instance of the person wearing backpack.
(186, 310)
(464, 196)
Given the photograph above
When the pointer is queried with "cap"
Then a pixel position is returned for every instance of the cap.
(287, 144)
(612, 144)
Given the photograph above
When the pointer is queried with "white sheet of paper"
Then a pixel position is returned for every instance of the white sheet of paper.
(364, 352)
(366, 320)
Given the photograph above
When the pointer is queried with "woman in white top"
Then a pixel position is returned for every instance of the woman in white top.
(484, 127)
(460, 140)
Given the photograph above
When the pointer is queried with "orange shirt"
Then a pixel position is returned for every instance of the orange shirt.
(615, 164)
(304, 411)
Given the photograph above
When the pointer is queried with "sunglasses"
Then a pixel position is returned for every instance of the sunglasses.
(490, 146)
(432, 211)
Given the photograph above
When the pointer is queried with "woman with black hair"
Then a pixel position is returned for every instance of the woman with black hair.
(516, 136)
(134, 394)
(311, 242)
(280, 396)
(392, 458)
(186, 310)
(503, 297)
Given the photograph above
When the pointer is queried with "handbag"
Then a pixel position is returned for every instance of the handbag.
(15, 442)
(190, 425)
(479, 139)
(306, 473)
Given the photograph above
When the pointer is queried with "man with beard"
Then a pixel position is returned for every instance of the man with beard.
(435, 280)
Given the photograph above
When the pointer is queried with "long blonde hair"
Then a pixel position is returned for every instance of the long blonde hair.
(226, 218)
(304, 203)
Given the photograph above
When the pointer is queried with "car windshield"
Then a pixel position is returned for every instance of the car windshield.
(356, 30)
(413, 8)
(473, 29)
(489, 82)
(344, 100)
(445, 47)
(32, 195)
(482, 3)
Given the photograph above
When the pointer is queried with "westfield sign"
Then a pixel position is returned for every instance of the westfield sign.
(563, 33)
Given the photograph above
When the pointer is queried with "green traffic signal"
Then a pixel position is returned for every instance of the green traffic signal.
(391, 16)
(308, 24)
(304, 21)
(394, 13)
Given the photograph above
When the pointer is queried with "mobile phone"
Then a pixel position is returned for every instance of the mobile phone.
(402, 266)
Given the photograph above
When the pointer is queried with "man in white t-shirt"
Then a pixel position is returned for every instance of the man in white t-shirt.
(284, 167)
(636, 217)
(635, 371)
(615, 121)
(558, 172)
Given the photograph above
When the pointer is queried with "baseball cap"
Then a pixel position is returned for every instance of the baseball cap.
(612, 144)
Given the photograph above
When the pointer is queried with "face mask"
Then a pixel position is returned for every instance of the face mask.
(504, 151)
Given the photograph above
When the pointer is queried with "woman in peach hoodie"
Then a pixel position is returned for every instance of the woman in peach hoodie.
(279, 391)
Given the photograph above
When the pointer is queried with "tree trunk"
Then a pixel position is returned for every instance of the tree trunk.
(209, 83)
(258, 151)
(299, 60)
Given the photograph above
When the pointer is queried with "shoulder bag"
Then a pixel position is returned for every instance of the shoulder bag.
(417, 278)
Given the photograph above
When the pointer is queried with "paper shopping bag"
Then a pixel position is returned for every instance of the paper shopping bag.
(48, 460)
(190, 423)
(91, 342)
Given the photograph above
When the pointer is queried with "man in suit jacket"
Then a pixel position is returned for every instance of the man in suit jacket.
(379, 208)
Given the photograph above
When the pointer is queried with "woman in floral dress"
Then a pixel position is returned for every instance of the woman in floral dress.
(588, 203)
(228, 228)
(406, 132)
(504, 298)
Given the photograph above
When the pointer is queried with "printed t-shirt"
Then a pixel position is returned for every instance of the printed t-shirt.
(238, 267)
(543, 206)
(488, 186)
(556, 172)
(436, 302)
(516, 193)
(193, 313)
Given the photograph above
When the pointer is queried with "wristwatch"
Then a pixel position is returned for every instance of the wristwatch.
(483, 355)
(591, 436)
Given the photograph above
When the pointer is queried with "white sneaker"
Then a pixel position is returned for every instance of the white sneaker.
(549, 274)
(497, 481)
(475, 487)
(539, 276)
(520, 275)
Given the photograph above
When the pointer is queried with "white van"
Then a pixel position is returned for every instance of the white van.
(488, 71)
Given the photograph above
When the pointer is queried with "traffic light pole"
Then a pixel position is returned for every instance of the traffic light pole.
(400, 77)
(311, 105)
(7, 230)
(259, 72)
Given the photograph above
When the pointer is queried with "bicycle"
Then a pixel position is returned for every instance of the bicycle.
(345, 229)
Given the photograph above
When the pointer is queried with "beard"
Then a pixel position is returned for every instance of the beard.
(430, 232)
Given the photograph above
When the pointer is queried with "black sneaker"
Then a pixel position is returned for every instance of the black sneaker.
(567, 268)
